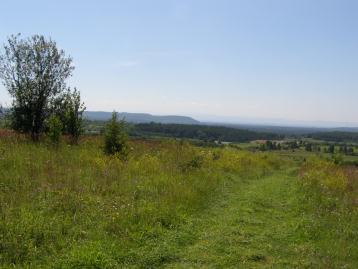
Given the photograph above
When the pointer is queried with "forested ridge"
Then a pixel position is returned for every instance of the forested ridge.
(202, 132)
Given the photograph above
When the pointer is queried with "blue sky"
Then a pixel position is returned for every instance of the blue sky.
(258, 60)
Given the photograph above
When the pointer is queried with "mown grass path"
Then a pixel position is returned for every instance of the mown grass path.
(253, 225)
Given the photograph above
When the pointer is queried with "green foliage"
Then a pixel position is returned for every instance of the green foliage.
(331, 149)
(72, 114)
(308, 147)
(34, 72)
(54, 129)
(336, 136)
(195, 162)
(115, 138)
(201, 132)
(270, 145)
(328, 178)
(2, 117)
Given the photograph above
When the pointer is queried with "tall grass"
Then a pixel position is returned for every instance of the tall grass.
(329, 211)
(331, 182)
(72, 206)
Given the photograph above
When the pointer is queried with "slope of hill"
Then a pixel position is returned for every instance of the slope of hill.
(173, 205)
(140, 117)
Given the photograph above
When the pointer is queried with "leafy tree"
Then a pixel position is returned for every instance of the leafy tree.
(262, 147)
(115, 138)
(34, 72)
(343, 149)
(268, 145)
(330, 148)
(308, 147)
(54, 129)
(71, 112)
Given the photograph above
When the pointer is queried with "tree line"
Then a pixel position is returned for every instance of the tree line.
(308, 146)
(336, 136)
(200, 132)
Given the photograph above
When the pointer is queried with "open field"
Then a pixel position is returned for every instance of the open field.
(173, 205)
(179, 134)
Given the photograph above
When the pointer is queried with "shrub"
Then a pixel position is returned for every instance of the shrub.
(115, 138)
(195, 162)
(72, 112)
(54, 126)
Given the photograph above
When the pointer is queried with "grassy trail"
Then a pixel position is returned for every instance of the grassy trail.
(251, 226)
(171, 205)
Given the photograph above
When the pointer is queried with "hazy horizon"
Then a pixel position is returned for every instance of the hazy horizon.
(279, 122)
(284, 61)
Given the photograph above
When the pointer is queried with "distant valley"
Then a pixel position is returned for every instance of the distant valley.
(178, 119)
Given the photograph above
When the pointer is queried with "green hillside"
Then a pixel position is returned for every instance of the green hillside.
(173, 205)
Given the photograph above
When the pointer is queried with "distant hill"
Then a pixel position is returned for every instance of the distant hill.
(174, 119)
(140, 117)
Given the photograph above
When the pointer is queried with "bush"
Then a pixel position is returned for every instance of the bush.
(72, 112)
(196, 162)
(54, 126)
(115, 138)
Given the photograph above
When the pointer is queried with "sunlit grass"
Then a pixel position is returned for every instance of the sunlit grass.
(72, 204)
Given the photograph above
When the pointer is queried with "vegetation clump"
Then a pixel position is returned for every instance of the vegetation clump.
(54, 129)
(115, 138)
(70, 111)
(330, 179)
(34, 71)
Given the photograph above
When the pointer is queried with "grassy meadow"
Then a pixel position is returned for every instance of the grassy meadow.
(172, 204)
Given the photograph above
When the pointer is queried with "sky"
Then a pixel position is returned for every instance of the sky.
(221, 60)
